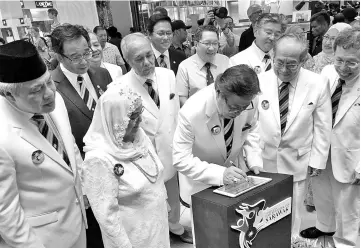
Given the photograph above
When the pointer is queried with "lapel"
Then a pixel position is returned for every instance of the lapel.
(66, 136)
(68, 92)
(94, 78)
(272, 90)
(164, 94)
(300, 94)
(148, 102)
(213, 120)
(172, 61)
(347, 102)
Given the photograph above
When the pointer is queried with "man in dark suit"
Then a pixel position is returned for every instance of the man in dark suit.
(80, 88)
(160, 34)
(320, 23)
(247, 37)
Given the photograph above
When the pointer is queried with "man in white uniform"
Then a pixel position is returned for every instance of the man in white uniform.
(267, 30)
(295, 122)
(337, 190)
(41, 202)
(156, 86)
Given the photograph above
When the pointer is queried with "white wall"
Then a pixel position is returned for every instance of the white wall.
(122, 16)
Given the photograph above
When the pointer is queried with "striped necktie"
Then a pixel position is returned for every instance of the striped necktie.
(335, 99)
(228, 135)
(283, 103)
(152, 93)
(266, 59)
(209, 77)
(48, 132)
(85, 95)
(162, 62)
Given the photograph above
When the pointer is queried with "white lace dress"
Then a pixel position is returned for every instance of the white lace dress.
(131, 211)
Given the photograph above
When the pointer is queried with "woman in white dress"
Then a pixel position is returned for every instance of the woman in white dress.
(97, 58)
(122, 175)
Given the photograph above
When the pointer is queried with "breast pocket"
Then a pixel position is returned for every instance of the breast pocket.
(43, 219)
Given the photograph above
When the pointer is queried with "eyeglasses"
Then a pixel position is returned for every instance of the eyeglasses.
(77, 59)
(349, 64)
(328, 38)
(138, 114)
(164, 34)
(280, 64)
(209, 44)
(233, 109)
(269, 33)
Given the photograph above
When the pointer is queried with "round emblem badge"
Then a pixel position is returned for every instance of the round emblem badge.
(216, 130)
(265, 104)
(37, 157)
(257, 69)
(118, 170)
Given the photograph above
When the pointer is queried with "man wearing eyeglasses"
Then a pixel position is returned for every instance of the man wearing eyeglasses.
(201, 69)
(295, 119)
(214, 127)
(80, 88)
(267, 30)
(160, 34)
(337, 190)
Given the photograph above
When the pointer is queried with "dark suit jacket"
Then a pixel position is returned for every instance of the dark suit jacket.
(79, 115)
(175, 58)
(246, 40)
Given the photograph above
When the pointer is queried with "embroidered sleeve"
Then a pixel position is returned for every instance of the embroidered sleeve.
(102, 187)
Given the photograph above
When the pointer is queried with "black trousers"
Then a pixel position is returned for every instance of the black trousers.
(93, 233)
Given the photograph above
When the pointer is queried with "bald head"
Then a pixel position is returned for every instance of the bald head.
(137, 51)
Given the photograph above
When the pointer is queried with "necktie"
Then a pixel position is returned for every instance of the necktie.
(283, 103)
(228, 135)
(153, 94)
(335, 99)
(209, 76)
(162, 62)
(85, 95)
(48, 132)
(266, 59)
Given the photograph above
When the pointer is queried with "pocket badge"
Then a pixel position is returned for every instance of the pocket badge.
(118, 170)
(37, 157)
(265, 104)
(216, 130)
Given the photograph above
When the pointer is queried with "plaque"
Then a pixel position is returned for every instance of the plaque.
(237, 189)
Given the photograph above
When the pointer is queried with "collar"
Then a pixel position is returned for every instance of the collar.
(70, 75)
(141, 79)
(259, 52)
(293, 82)
(200, 62)
(107, 45)
(157, 53)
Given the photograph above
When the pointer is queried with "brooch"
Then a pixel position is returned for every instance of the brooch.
(216, 130)
(101, 92)
(118, 170)
(265, 104)
(37, 157)
(257, 69)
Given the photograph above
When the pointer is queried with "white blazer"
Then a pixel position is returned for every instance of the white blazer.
(41, 204)
(345, 138)
(199, 155)
(158, 124)
(306, 139)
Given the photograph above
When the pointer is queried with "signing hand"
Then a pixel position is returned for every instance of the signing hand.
(355, 178)
(232, 173)
(313, 172)
(255, 169)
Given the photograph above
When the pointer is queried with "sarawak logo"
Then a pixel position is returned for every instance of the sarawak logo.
(255, 218)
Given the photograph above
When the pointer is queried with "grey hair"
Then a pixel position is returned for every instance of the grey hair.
(296, 38)
(12, 88)
(127, 40)
(348, 38)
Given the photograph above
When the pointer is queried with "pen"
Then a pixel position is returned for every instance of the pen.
(237, 167)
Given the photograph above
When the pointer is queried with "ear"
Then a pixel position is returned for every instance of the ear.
(59, 57)
(10, 97)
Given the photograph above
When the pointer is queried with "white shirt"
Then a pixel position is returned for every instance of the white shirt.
(142, 80)
(166, 56)
(253, 57)
(192, 73)
(72, 77)
(114, 70)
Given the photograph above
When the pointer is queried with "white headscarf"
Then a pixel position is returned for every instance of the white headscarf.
(110, 121)
(340, 26)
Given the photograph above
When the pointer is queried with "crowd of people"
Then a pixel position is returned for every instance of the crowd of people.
(103, 137)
